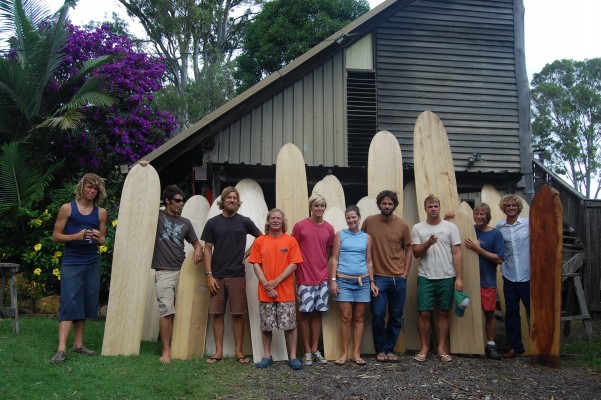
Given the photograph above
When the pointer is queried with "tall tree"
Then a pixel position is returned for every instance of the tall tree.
(195, 37)
(285, 29)
(566, 109)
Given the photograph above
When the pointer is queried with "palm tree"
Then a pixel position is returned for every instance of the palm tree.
(34, 105)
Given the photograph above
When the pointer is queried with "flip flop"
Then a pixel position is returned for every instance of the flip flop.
(340, 361)
(360, 361)
(392, 357)
(420, 357)
(381, 357)
(243, 360)
(213, 360)
(445, 357)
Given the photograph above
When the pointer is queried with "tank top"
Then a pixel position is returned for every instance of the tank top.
(81, 252)
(353, 251)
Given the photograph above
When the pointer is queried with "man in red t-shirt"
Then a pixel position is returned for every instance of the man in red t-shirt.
(274, 257)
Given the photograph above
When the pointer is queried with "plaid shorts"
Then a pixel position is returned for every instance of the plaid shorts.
(313, 297)
(276, 315)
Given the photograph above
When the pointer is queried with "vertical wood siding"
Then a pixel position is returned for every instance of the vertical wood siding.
(309, 113)
(455, 58)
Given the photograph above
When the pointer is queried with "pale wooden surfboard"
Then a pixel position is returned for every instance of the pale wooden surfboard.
(329, 193)
(367, 206)
(291, 193)
(467, 332)
(229, 345)
(132, 258)
(255, 208)
(150, 326)
(385, 155)
(192, 296)
(491, 196)
(411, 216)
(546, 242)
(335, 183)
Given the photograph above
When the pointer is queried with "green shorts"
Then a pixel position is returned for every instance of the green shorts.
(430, 291)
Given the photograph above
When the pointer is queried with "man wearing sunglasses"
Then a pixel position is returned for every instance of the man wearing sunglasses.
(167, 260)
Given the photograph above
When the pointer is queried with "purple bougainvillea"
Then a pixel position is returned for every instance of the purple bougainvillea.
(128, 130)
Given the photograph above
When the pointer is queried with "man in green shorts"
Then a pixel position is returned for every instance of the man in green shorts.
(438, 246)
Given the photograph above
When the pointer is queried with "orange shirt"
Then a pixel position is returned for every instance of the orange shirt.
(274, 255)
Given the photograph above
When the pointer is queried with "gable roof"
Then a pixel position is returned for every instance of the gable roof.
(277, 81)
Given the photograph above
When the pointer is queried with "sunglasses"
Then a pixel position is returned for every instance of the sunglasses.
(177, 200)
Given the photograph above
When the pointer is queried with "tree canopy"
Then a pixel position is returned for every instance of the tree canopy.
(566, 110)
(285, 29)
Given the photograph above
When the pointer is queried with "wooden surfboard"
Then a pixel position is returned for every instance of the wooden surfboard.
(491, 196)
(367, 206)
(434, 170)
(546, 241)
(467, 332)
(335, 183)
(229, 345)
(255, 208)
(385, 155)
(132, 258)
(291, 193)
(411, 216)
(329, 193)
(192, 296)
(150, 326)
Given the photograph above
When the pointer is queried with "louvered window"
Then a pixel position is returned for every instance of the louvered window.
(361, 114)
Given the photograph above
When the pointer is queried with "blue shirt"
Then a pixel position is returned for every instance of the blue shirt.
(516, 266)
(353, 252)
(491, 241)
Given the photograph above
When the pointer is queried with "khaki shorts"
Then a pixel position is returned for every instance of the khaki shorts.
(166, 282)
(276, 315)
(232, 289)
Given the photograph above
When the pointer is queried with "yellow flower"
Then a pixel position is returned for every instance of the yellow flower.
(103, 249)
(37, 222)
(58, 254)
(37, 271)
(114, 223)
(37, 247)
(46, 212)
(54, 261)
(56, 272)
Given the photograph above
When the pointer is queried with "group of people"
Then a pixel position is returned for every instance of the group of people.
(367, 263)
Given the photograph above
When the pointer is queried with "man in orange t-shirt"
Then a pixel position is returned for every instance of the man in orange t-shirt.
(274, 257)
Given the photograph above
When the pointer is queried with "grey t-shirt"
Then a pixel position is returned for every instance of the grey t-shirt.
(169, 243)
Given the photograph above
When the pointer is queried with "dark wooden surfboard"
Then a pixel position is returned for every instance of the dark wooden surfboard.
(546, 240)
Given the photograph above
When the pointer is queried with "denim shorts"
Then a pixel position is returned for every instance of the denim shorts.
(80, 285)
(350, 291)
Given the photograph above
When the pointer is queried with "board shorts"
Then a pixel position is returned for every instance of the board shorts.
(281, 316)
(313, 297)
(166, 283)
(80, 285)
(488, 297)
(232, 289)
(350, 291)
(431, 291)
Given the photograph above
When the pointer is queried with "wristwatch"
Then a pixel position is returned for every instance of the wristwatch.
(208, 273)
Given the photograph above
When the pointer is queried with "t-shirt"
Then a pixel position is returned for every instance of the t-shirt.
(314, 240)
(491, 241)
(274, 255)
(228, 236)
(352, 259)
(388, 241)
(437, 263)
(169, 242)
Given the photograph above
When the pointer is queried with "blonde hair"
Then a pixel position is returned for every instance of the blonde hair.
(95, 181)
(485, 208)
(511, 198)
(317, 198)
(284, 220)
(431, 199)
(225, 193)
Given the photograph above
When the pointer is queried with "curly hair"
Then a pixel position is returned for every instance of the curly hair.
(95, 181)
(387, 193)
(509, 199)
(171, 191)
(284, 220)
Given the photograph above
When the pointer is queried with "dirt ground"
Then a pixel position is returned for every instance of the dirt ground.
(462, 378)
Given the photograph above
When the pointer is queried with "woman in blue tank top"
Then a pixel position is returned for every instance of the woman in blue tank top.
(352, 281)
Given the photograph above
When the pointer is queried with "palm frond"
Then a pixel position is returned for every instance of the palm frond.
(65, 121)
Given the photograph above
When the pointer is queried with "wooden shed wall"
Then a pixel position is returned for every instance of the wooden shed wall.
(455, 58)
(311, 113)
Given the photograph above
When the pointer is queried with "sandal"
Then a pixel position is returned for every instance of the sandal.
(392, 357)
(243, 360)
(445, 357)
(381, 357)
(213, 360)
(420, 357)
(360, 361)
(340, 361)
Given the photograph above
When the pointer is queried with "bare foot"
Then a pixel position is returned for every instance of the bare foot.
(166, 358)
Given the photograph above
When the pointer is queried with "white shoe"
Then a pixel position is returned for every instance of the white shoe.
(319, 358)
(308, 359)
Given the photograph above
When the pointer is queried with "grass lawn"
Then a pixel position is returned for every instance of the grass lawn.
(27, 373)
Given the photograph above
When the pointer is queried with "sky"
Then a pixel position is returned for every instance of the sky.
(555, 29)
